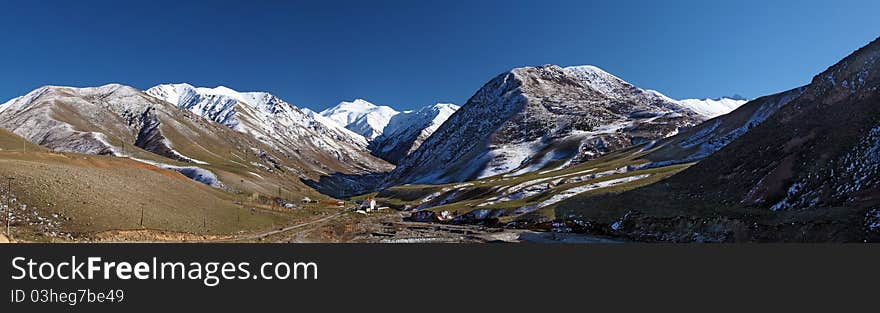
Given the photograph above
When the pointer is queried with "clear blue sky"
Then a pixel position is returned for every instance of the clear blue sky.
(412, 53)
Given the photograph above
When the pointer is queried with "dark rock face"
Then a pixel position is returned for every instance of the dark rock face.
(150, 137)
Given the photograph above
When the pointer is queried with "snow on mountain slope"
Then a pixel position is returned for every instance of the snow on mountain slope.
(818, 150)
(707, 138)
(407, 130)
(361, 117)
(712, 107)
(798, 166)
(707, 107)
(534, 117)
(281, 125)
(82, 120)
(113, 120)
(262, 153)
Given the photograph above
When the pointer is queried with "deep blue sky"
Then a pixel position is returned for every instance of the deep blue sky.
(412, 53)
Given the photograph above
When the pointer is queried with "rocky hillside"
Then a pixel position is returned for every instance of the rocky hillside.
(797, 166)
(407, 131)
(391, 134)
(542, 117)
(230, 145)
(818, 150)
(282, 126)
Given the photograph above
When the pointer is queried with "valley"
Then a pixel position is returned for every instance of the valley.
(537, 154)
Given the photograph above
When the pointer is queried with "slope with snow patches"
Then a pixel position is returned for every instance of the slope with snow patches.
(707, 107)
(407, 130)
(207, 134)
(535, 117)
(108, 120)
(279, 124)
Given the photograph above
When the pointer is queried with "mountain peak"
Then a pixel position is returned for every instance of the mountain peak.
(357, 105)
(446, 106)
(361, 117)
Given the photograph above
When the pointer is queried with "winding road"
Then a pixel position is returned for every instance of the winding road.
(258, 236)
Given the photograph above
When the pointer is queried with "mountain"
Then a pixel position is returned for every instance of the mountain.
(281, 125)
(541, 117)
(407, 130)
(361, 117)
(81, 197)
(818, 150)
(391, 134)
(97, 120)
(227, 144)
(708, 107)
(802, 165)
(712, 107)
(703, 140)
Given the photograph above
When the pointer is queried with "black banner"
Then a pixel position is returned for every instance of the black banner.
(410, 277)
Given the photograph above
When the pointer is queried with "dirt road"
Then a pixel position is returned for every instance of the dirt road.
(262, 235)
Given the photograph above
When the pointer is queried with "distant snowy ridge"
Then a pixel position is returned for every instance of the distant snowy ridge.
(275, 122)
(361, 117)
(708, 107)
(407, 130)
(391, 134)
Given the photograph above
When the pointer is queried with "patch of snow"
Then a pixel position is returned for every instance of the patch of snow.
(712, 107)
(505, 158)
(785, 202)
(459, 186)
(101, 137)
(581, 189)
(431, 197)
(195, 173)
(872, 220)
(181, 156)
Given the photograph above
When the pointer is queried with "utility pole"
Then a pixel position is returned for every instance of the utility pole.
(142, 215)
(9, 207)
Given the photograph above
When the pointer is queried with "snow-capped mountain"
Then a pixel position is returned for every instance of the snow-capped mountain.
(407, 130)
(95, 120)
(242, 141)
(820, 149)
(274, 122)
(537, 117)
(361, 117)
(712, 107)
(707, 107)
(391, 134)
(801, 165)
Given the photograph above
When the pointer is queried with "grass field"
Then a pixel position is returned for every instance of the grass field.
(81, 196)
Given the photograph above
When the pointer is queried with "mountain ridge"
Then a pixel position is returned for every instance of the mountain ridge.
(575, 108)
